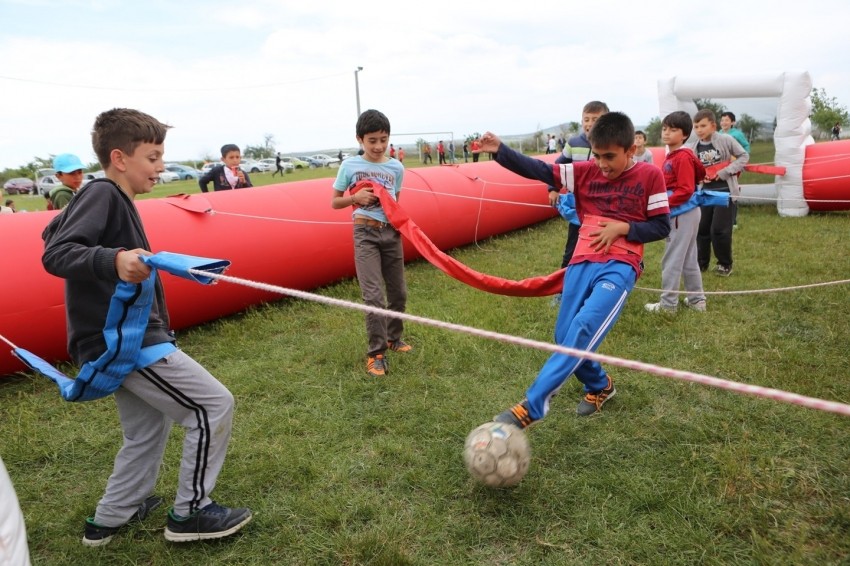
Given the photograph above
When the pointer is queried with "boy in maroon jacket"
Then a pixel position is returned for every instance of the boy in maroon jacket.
(682, 173)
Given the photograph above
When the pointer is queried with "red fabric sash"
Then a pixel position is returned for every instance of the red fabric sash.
(540, 286)
(592, 224)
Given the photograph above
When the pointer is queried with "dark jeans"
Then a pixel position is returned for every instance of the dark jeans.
(715, 232)
(379, 259)
(572, 240)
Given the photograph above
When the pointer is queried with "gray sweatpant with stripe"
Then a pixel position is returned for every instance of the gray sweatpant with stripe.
(679, 262)
(176, 389)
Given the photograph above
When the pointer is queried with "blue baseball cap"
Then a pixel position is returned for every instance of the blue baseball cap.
(67, 163)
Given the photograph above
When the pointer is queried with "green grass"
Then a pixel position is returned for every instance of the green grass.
(343, 469)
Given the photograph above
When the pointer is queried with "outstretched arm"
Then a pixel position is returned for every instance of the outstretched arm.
(520, 164)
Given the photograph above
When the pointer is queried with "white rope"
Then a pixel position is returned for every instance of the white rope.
(754, 390)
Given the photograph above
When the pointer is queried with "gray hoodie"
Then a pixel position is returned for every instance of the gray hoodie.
(728, 147)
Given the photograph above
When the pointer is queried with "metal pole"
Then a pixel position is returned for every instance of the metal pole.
(357, 89)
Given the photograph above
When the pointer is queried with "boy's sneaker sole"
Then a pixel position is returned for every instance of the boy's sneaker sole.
(211, 522)
(97, 535)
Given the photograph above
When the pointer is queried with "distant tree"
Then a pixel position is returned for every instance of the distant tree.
(653, 132)
(257, 151)
(708, 104)
(749, 125)
(574, 127)
(826, 111)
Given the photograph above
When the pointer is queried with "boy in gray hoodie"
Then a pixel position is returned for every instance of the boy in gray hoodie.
(716, 152)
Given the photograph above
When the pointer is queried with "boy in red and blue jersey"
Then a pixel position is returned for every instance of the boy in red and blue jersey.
(621, 205)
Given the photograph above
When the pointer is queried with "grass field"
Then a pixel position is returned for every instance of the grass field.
(343, 469)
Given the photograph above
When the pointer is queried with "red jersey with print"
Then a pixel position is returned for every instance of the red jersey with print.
(636, 195)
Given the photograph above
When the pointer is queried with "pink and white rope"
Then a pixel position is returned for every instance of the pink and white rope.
(754, 390)
(750, 291)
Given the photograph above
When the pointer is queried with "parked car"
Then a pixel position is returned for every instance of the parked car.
(183, 171)
(251, 166)
(168, 176)
(207, 166)
(45, 180)
(325, 160)
(296, 162)
(19, 186)
(93, 175)
(47, 184)
(272, 163)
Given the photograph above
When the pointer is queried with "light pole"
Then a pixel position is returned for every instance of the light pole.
(357, 89)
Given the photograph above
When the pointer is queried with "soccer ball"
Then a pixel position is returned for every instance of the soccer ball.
(497, 454)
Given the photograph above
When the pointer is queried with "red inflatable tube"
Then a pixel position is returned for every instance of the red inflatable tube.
(826, 176)
(286, 235)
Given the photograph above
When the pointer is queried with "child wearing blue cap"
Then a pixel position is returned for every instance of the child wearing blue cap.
(69, 171)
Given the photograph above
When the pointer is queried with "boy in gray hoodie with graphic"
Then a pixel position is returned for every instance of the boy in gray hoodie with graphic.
(716, 152)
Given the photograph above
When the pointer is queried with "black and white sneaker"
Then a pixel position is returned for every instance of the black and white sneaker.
(98, 535)
(723, 270)
(213, 521)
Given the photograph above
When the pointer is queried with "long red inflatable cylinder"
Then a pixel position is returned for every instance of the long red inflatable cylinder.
(286, 235)
(826, 176)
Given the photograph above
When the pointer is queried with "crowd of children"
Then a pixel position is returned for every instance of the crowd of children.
(620, 200)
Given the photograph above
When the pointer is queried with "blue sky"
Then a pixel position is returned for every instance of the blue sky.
(234, 72)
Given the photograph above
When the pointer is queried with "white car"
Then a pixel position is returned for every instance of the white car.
(251, 166)
(270, 162)
(168, 176)
(324, 160)
(45, 180)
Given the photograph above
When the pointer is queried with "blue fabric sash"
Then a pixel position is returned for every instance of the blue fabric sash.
(567, 208)
(124, 331)
(701, 197)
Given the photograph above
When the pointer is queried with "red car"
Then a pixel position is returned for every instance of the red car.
(19, 186)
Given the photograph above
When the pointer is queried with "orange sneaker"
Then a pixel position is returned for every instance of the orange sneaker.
(517, 415)
(399, 346)
(377, 365)
(592, 402)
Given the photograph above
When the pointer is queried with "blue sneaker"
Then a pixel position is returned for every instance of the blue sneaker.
(213, 521)
(98, 535)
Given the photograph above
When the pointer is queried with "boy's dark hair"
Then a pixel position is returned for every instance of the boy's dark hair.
(642, 133)
(730, 115)
(594, 107)
(703, 114)
(613, 128)
(227, 148)
(372, 121)
(680, 120)
(124, 129)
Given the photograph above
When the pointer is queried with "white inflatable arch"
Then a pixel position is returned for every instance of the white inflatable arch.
(793, 127)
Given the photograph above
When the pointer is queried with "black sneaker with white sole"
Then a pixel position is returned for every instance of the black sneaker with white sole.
(213, 521)
(98, 535)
